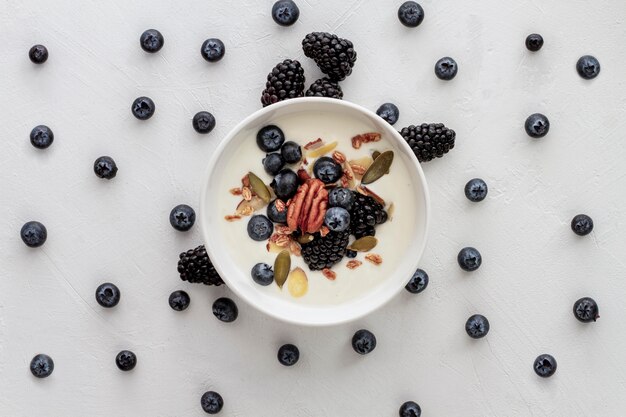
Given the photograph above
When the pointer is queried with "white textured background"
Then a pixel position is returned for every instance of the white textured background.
(534, 266)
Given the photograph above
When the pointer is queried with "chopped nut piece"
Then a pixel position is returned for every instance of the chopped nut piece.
(246, 193)
(366, 191)
(339, 157)
(280, 206)
(322, 150)
(281, 229)
(232, 218)
(235, 191)
(245, 181)
(303, 176)
(295, 248)
(353, 264)
(314, 144)
(331, 275)
(358, 140)
(324, 230)
(374, 258)
(358, 170)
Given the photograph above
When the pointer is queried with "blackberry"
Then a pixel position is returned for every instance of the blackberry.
(195, 266)
(366, 213)
(334, 56)
(324, 87)
(324, 252)
(429, 141)
(284, 82)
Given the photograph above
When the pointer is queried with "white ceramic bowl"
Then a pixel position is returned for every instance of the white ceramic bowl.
(237, 277)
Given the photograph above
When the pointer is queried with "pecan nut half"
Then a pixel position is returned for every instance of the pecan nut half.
(307, 208)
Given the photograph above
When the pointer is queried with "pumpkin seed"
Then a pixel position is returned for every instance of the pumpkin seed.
(379, 167)
(305, 238)
(375, 154)
(282, 265)
(259, 187)
(298, 284)
(364, 244)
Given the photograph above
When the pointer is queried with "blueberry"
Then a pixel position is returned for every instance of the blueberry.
(41, 137)
(41, 366)
(262, 274)
(105, 167)
(389, 112)
(291, 152)
(469, 259)
(534, 42)
(288, 355)
(477, 326)
(211, 402)
(270, 138)
(341, 197)
(363, 342)
(586, 310)
(327, 170)
(38, 54)
(446, 68)
(285, 12)
(411, 14)
(545, 365)
(34, 234)
(588, 67)
(213, 50)
(537, 125)
(410, 409)
(274, 214)
(179, 300)
(337, 219)
(418, 282)
(151, 41)
(203, 122)
(351, 254)
(108, 295)
(225, 310)
(143, 108)
(182, 217)
(582, 224)
(260, 227)
(126, 360)
(285, 184)
(273, 163)
(476, 190)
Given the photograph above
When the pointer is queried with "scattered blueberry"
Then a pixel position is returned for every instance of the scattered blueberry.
(273, 163)
(179, 300)
(341, 197)
(469, 259)
(588, 67)
(126, 360)
(285, 184)
(270, 138)
(327, 170)
(410, 409)
(291, 152)
(288, 354)
(262, 274)
(537, 125)
(225, 310)
(476, 190)
(151, 41)
(108, 295)
(41, 366)
(446, 68)
(182, 217)
(143, 108)
(363, 342)
(545, 365)
(38, 54)
(203, 122)
(477, 326)
(213, 50)
(274, 214)
(211, 402)
(534, 42)
(351, 254)
(586, 310)
(582, 224)
(337, 219)
(389, 112)
(418, 282)
(41, 137)
(411, 14)
(260, 227)
(105, 167)
(34, 234)
(285, 12)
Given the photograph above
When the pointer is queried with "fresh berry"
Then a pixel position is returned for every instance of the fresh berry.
(324, 252)
(351, 254)
(151, 41)
(225, 310)
(195, 266)
(410, 409)
(41, 366)
(41, 137)
(477, 326)
(108, 295)
(126, 360)
(469, 259)
(273, 163)
(476, 190)
(203, 122)
(285, 81)
(182, 217)
(537, 125)
(588, 67)
(213, 50)
(534, 42)
(270, 138)
(291, 152)
(341, 197)
(285, 12)
(410, 14)
(545, 365)
(274, 214)
(418, 282)
(363, 342)
(334, 56)
(337, 219)
(143, 108)
(38, 54)
(285, 184)
(34, 234)
(105, 167)
(325, 87)
(582, 224)
(429, 141)
(389, 112)
(211, 402)
(179, 300)
(288, 354)
(262, 274)
(586, 310)
(327, 170)
(446, 68)
(365, 214)
(260, 227)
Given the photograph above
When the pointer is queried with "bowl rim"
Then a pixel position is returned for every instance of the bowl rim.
(400, 143)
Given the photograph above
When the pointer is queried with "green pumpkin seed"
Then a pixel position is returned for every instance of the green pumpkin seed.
(305, 238)
(379, 167)
(282, 265)
(366, 243)
(259, 187)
